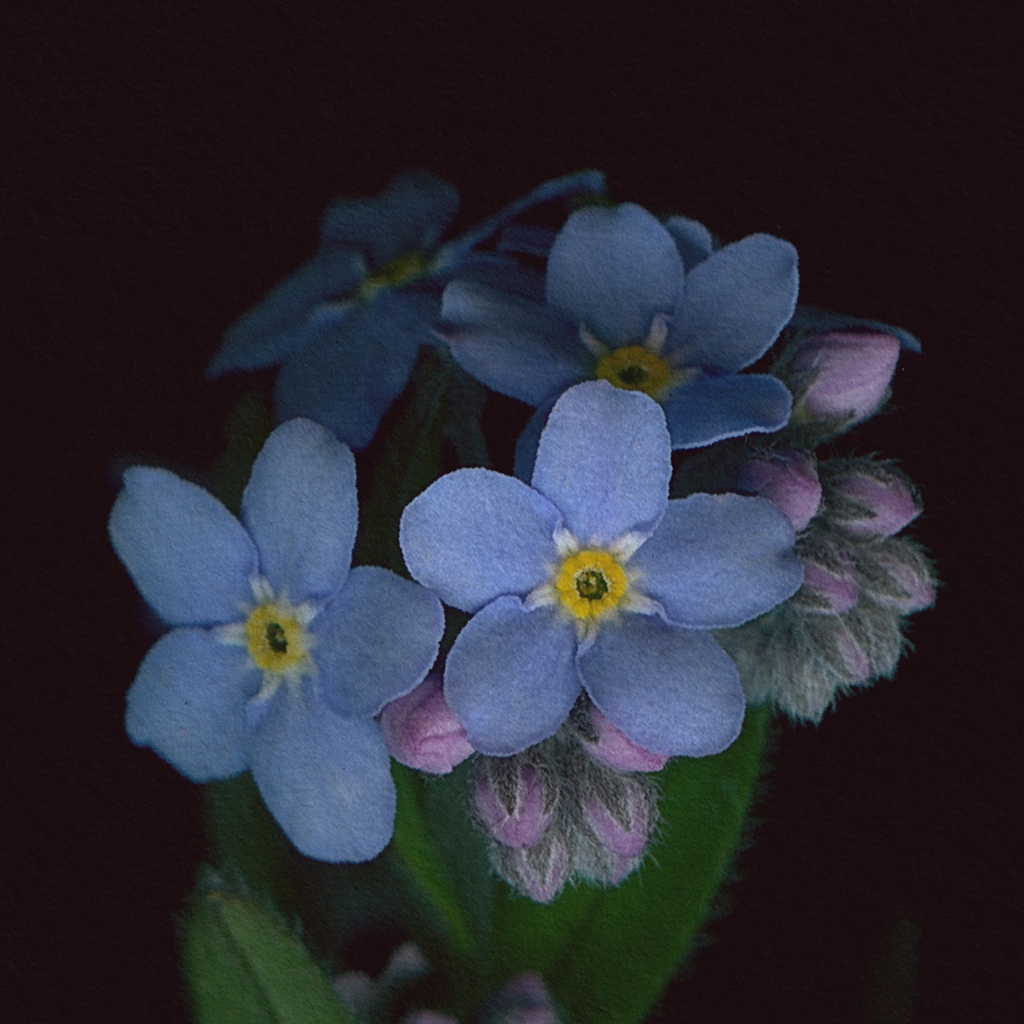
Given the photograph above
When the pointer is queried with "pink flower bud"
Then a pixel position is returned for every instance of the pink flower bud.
(911, 571)
(543, 869)
(890, 501)
(523, 1000)
(615, 749)
(626, 830)
(521, 814)
(857, 663)
(841, 590)
(788, 480)
(421, 731)
(428, 1017)
(850, 373)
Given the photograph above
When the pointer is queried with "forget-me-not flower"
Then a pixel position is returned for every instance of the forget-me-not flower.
(646, 306)
(348, 324)
(281, 654)
(590, 577)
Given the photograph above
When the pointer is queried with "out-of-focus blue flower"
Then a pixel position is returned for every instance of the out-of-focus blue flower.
(646, 306)
(281, 654)
(347, 326)
(592, 578)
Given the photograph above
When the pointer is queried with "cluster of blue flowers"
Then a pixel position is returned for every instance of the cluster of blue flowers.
(592, 583)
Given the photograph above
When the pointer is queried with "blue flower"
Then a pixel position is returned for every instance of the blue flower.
(349, 323)
(281, 654)
(647, 307)
(592, 578)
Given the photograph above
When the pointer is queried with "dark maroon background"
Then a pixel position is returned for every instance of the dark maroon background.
(170, 164)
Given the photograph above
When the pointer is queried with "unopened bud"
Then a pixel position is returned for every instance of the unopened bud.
(540, 871)
(913, 575)
(789, 481)
(513, 801)
(614, 748)
(428, 1017)
(621, 815)
(523, 1000)
(421, 731)
(833, 593)
(880, 504)
(848, 371)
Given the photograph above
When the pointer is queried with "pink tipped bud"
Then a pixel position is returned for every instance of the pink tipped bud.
(421, 731)
(543, 870)
(838, 592)
(523, 1000)
(622, 820)
(849, 373)
(888, 498)
(911, 572)
(788, 480)
(615, 749)
(857, 663)
(513, 803)
(428, 1017)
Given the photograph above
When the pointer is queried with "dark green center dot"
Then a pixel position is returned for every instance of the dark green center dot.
(591, 585)
(277, 638)
(633, 375)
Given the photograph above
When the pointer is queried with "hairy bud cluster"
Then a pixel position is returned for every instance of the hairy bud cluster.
(844, 627)
(560, 810)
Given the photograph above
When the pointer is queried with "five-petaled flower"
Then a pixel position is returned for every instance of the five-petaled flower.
(592, 578)
(348, 324)
(281, 654)
(646, 306)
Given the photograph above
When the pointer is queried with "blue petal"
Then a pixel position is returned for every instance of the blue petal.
(529, 440)
(188, 555)
(672, 691)
(604, 461)
(188, 703)
(719, 560)
(475, 534)
(375, 641)
(517, 347)
(326, 779)
(348, 378)
(504, 273)
(709, 408)
(735, 304)
(409, 216)
(281, 323)
(510, 677)
(300, 508)
(614, 270)
(692, 239)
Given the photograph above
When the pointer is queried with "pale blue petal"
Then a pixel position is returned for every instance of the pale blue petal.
(672, 691)
(517, 347)
(710, 408)
(735, 304)
(188, 555)
(348, 378)
(505, 273)
(510, 677)
(692, 239)
(326, 779)
(614, 269)
(375, 641)
(188, 703)
(409, 216)
(475, 534)
(604, 461)
(300, 508)
(718, 560)
(529, 440)
(280, 323)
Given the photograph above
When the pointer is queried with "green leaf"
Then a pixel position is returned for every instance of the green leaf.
(607, 954)
(245, 967)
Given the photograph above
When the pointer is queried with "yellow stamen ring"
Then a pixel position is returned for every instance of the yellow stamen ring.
(591, 583)
(634, 368)
(277, 641)
(399, 271)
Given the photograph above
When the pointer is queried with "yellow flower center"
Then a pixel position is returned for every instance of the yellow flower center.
(399, 271)
(277, 641)
(634, 368)
(590, 583)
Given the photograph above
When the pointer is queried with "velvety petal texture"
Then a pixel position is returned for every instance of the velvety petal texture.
(289, 636)
(604, 462)
(599, 509)
(190, 558)
(326, 779)
(300, 508)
